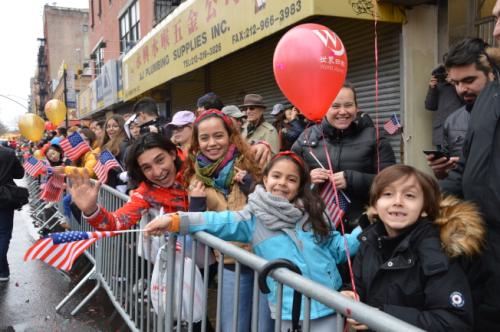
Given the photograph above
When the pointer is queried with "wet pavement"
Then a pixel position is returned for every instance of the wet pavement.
(28, 300)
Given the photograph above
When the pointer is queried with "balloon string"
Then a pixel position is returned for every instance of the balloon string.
(377, 133)
(346, 245)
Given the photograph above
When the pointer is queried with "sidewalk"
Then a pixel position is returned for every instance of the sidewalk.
(28, 300)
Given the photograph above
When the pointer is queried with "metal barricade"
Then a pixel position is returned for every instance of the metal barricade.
(124, 265)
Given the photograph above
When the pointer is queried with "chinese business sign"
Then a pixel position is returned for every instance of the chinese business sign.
(202, 31)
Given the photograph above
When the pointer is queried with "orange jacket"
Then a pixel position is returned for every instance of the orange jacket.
(146, 196)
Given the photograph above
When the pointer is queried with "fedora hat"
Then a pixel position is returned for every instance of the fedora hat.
(253, 100)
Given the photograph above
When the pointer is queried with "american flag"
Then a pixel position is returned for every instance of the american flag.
(74, 146)
(60, 250)
(334, 211)
(392, 125)
(106, 162)
(33, 166)
(53, 188)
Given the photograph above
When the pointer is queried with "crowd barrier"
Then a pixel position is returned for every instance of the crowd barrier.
(123, 267)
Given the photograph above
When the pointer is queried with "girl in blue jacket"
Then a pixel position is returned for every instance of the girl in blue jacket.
(283, 219)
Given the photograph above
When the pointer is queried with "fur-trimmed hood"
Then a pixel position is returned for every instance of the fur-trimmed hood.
(461, 227)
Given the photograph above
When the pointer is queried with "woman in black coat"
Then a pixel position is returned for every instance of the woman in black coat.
(351, 141)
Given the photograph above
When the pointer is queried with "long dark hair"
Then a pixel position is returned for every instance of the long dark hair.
(310, 201)
(142, 144)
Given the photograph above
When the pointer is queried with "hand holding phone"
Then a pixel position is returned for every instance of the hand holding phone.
(437, 154)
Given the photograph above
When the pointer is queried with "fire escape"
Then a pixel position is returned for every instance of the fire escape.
(42, 77)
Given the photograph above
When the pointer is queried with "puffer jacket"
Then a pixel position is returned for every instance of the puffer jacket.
(454, 131)
(354, 151)
(418, 276)
(316, 260)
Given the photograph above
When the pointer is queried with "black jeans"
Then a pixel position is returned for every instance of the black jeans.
(6, 225)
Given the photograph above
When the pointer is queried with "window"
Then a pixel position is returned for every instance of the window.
(98, 57)
(129, 27)
(163, 8)
(484, 22)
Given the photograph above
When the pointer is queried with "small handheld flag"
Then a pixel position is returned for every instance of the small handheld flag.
(392, 125)
(106, 162)
(53, 188)
(33, 166)
(74, 146)
(60, 250)
(334, 211)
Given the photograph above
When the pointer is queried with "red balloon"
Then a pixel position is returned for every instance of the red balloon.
(310, 65)
(50, 126)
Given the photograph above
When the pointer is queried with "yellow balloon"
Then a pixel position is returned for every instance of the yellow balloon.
(38, 154)
(55, 110)
(31, 126)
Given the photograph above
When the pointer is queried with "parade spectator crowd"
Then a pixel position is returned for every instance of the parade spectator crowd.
(427, 258)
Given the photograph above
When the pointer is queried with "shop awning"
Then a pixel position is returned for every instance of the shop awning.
(201, 31)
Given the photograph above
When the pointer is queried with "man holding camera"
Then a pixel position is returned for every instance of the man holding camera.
(147, 116)
(441, 98)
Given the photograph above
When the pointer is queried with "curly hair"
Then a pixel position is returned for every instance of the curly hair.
(247, 162)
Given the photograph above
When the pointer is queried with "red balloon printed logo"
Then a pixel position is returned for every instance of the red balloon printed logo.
(310, 65)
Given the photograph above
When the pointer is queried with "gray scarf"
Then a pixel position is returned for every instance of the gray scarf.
(276, 213)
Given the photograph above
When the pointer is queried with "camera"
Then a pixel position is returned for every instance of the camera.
(145, 128)
(439, 73)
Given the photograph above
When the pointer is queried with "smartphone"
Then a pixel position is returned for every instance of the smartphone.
(437, 154)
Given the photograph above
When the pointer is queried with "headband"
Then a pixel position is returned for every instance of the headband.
(215, 112)
(289, 154)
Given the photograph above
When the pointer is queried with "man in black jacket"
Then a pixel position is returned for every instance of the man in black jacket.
(477, 178)
(10, 169)
(469, 71)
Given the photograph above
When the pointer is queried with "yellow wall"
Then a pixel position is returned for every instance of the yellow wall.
(419, 57)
